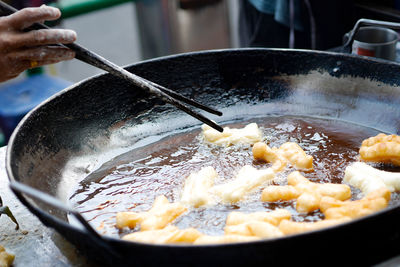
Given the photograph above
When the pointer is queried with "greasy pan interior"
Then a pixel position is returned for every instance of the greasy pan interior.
(69, 136)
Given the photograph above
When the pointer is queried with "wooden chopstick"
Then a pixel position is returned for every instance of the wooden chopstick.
(98, 61)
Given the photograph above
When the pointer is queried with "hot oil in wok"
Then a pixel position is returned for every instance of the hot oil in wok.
(131, 181)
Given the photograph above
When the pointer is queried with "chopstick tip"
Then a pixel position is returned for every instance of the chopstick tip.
(217, 127)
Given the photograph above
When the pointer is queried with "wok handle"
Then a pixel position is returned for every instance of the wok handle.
(18, 187)
(370, 22)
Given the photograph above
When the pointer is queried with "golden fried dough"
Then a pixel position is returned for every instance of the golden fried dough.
(279, 157)
(379, 193)
(250, 134)
(262, 151)
(307, 193)
(374, 201)
(6, 259)
(308, 202)
(275, 193)
(160, 215)
(254, 228)
(289, 227)
(381, 148)
(273, 217)
(296, 156)
(129, 219)
(196, 191)
(295, 178)
(246, 181)
(338, 191)
(168, 235)
(357, 209)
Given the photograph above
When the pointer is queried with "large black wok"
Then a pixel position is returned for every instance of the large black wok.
(73, 133)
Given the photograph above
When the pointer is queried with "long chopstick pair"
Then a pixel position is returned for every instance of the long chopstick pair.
(95, 60)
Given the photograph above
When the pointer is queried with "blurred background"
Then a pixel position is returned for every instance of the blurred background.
(129, 31)
(126, 32)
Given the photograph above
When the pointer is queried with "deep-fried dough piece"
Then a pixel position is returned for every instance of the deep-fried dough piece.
(254, 228)
(358, 209)
(369, 179)
(168, 235)
(160, 215)
(329, 202)
(197, 186)
(287, 152)
(295, 178)
(250, 134)
(289, 227)
(308, 202)
(379, 193)
(129, 219)
(374, 201)
(296, 156)
(273, 217)
(338, 191)
(6, 259)
(381, 148)
(262, 151)
(222, 239)
(246, 181)
(308, 194)
(275, 193)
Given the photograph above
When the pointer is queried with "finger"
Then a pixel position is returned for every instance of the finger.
(43, 37)
(20, 66)
(27, 16)
(43, 54)
(45, 62)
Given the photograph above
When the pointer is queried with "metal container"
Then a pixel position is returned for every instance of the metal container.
(170, 27)
(375, 42)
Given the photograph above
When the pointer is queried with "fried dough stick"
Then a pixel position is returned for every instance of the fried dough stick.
(275, 193)
(260, 224)
(307, 193)
(262, 151)
(289, 227)
(254, 228)
(160, 215)
(168, 235)
(374, 201)
(279, 157)
(381, 148)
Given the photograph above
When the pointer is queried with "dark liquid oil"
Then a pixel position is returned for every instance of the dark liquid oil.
(133, 180)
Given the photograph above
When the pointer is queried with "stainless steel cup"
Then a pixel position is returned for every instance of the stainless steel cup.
(375, 42)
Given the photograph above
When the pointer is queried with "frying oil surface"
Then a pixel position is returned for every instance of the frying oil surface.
(132, 181)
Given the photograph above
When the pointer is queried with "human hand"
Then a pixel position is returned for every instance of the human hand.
(21, 50)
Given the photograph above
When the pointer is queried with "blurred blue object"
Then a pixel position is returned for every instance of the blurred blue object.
(18, 98)
(2, 140)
